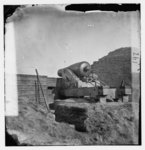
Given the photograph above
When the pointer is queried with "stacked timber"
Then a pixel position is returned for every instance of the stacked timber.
(26, 86)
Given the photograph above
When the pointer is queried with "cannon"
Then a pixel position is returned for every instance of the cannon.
(83, 83)
(81, 69)
(79, 75)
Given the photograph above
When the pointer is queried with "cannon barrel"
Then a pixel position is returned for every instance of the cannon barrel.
(81, 69)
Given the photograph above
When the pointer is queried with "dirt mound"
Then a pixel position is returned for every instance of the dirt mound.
(34, 126)
(111, 123)
(114, 124)
(103, 124)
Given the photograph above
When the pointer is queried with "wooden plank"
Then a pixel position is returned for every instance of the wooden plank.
(42, 90)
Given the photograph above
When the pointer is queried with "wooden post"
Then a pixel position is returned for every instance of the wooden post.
(36, 97)
(42, 90)
(38, 92)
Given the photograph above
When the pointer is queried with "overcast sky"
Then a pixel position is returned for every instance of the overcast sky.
(48, 39)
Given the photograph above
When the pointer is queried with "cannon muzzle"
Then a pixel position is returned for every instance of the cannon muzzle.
(80, 69)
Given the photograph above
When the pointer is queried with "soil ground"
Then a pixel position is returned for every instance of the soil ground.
(105, 125)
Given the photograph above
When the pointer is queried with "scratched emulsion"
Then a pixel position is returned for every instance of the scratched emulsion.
(11, 94)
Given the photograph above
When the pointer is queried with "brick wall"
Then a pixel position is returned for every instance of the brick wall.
(114, 67)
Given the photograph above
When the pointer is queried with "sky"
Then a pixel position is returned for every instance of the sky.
(48, 38)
